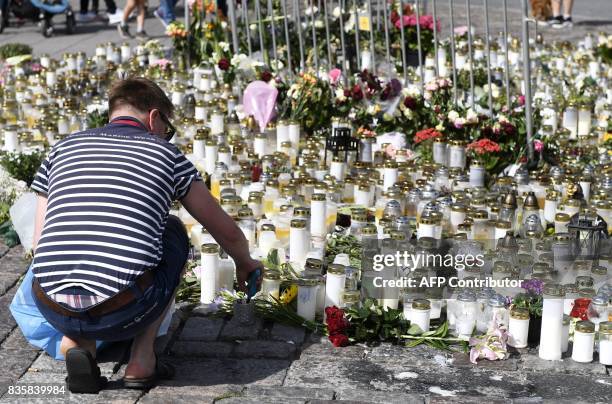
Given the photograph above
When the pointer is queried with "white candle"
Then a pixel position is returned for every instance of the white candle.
(259, 145)
(318, 215)
(584, 341)
(440, 153)
(211, 154)
(334, 285)
(477, 175)
(419, 315)
(570, 121)
(209, 274)
(307, 298)
(126, 53)
(337, 169)
(366, 60)
(605, 343)
(294, 134)
(584, 122)
(11, 140)
(390, 174)
(50, 78)
(565, 334)
(270, 285)
(552, 323)
(216, 123)
(226, 274)
(200, 113)
(518, 328)
(299, 240)
(550, 210)
(199, 149)
(456, 156)
(282, 134)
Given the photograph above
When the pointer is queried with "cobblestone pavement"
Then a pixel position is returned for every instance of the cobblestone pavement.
(222, 362)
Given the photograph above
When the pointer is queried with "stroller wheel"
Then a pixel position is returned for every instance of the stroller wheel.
(3, 20)
(46, 28)
(70, 23)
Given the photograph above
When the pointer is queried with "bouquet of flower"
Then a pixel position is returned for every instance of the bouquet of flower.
(423, 142)
(307, 102)
(409, 21)
(222, 58)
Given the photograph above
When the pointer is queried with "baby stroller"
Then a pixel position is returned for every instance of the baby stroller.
(41, 11)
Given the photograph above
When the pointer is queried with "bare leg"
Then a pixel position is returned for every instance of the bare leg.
(129, 7)
(567, 7)
(556, 7)
(68, 343)
(140, 19)
(142, 358)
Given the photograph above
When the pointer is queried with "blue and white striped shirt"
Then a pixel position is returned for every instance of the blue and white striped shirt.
(109, 193)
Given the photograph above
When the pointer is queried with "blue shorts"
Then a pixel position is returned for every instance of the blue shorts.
(134, 318)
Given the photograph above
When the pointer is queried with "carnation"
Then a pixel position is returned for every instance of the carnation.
(224, 64)
(484, 146)
(426, 134)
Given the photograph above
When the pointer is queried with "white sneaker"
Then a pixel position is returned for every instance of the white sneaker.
(115, 18)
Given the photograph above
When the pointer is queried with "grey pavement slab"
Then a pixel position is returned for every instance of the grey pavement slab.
(190, 393)
(15, 362)
(289, 393)
(235, 331)
(265, 349)
(201, 329)
(7, 281)
(213, 349)
(286, 333)
(16, 340)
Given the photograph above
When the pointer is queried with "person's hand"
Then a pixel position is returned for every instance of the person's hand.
(244, 269)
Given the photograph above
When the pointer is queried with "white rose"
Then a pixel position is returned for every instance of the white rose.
(471, 116)
(319, 24)
(340, 94)
(408, 113)
(452, 115)
(336, 12)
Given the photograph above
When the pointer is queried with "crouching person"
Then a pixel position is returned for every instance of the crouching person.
(108, 257)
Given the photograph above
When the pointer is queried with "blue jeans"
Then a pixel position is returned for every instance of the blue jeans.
(167, 9)
(133, 319)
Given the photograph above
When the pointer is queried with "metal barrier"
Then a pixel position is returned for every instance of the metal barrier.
(278, 24)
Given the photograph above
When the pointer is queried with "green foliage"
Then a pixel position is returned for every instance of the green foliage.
(97, 119)
(438, 338)
(373, 324)
(8, 234)
(22, 166)
(14, 49)
(344, 244)
(529, 301)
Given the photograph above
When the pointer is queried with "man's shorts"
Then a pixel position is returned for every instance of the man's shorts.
(135, 317)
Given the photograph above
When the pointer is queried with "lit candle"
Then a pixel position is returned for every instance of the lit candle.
(216, 122)
(299, 240)
(518, 327)
(294, 133)
(307, 298)
(318, 215)
(584, 341)
(334, 285)
(270, 285)
(605, 343)
(570, 120)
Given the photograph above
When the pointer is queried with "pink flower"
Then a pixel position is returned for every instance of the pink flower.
(161, 63)
(521, 100)
(391, 150)
(538, 145)
(334, 75)
(406, 21)
(462, 30)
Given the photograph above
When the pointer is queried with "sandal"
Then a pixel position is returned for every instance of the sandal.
(83, 372)
(163, 371)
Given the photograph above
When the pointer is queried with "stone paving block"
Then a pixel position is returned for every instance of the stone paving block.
(14, 262)
(201, 329)
(326, 349)
(286, 333)
(5, 382)
(16, 362)
(555, 387)
(212, 349)
(535, 364)
(209, 372)
(7, 281)
(234, 331)
(461, 359)
(289, 393)
(256, 400)
(3, 248)
(265, 349)
(398, 376)
(434, 399)
(16, 340)
(5, 331)
(46, 364)
(417, 356)
(6, 318)
(383, 397)
(200, 394)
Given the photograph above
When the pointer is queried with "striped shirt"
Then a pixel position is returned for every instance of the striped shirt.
(109, 192)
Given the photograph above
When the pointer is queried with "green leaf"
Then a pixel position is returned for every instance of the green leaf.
(414, 330)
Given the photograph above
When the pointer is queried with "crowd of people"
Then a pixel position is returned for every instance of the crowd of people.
(119, 17)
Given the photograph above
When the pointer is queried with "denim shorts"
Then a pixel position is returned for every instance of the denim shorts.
(134, 318)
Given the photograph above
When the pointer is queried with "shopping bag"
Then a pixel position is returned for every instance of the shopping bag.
(37, 330)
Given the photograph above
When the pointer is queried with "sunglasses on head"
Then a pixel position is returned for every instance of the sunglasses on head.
(170, 129)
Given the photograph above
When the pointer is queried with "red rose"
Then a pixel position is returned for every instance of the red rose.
(224, 64)
(410, 103)
(339, 340)
(357, 94)
(266, 76)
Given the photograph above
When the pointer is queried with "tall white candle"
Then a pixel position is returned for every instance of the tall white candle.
(217, 121)
(294, 134)
(337, 169)
(334, 285)
(584, 121)
(299, 240)
(282, 134)
(518, 328)
(11, 139)
(211, 155)
(199, 148)
(605, 343)
(552, 323)
(307, 298)
(209, 274)
(318, 215)
(390, 174)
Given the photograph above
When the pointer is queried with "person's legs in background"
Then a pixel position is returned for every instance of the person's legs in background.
(122, 27)
(165, 12)
(83, 15)
(113, 13)
(140, 19)
(567, 13)
(555, 20)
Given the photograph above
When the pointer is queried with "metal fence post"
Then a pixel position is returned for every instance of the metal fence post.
(470, 53)
(452, 36)
(298, 21)
(403, 41)
(231, 7)
(315, 48)
(371, 26)
(435, 37)
(488, 51)
(248, 26)
(287, 38)
(273, 29)
(356, 25)
(527, 78)
(419, 49)
(506, 60)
